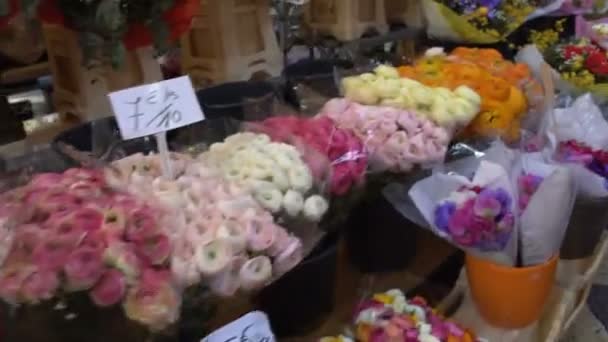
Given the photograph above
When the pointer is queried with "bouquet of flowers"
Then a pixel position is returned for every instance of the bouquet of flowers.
(448, 108)
(108, 28)
(499, 83)
(275, 173)
(74, 234)
(396, 140)
(481, 21)
(342, 148)
(581, 65)
(390, 316)
(222, 236)
(478, 215)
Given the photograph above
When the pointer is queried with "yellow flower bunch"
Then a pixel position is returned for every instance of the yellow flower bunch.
(582, 79)
(549, 37)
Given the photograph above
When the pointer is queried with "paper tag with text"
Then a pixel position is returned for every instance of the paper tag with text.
(156, 107)
(253, 327)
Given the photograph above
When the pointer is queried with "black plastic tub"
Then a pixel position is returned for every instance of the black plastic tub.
(379, 239)
(316, 75)
(300, 301)
(251, 100)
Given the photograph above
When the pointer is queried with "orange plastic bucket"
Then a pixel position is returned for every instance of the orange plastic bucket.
(510, 297)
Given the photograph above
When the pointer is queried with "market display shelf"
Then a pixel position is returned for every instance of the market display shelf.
(565, 304)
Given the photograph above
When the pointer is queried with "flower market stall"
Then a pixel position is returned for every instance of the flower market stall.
(456, 193)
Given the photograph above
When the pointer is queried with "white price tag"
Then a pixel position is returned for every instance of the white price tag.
(156, 107)
(253, 327)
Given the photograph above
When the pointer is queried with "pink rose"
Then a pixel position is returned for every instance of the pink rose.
(122, 256)
(141, 225)
(88, 219)
(56, 202)
(110, 289)
(83, 268)
(67, 231)
(155, 250)
(341, 179)
(39, 286)
(46, 180)
(280, 243)
(52, 254)
(153, 302)
(260, 235)
(85, 190)
(255, 273)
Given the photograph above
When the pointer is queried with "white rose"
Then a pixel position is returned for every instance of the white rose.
(387, 71)
(293, 202)
(315, 207)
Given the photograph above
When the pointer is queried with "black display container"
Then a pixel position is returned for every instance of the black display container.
(588, 221)
(300, 301)
(318, 76)
(379, 239)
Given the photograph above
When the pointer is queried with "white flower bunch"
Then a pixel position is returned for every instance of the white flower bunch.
(384, 87)
(274, 173)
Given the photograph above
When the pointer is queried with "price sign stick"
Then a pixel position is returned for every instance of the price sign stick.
(152, 73)
(163, 150)
(156, 107)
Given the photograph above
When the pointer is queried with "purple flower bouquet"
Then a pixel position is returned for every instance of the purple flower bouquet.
(478, 215)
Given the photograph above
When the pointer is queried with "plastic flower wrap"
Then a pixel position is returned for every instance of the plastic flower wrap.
(396, 140)
(73, 233)
(546, 195)
(448, 108)
(481, 21)
(342, 148)
(581, 7)
(477, 215)
(275, 173)
(221, 236)
(390, 316)
(596, 30)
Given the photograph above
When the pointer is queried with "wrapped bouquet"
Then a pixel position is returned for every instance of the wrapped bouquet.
(481, 21)
(396, 140)
(74, 234)
(448, 108)
(390, 316)
(341, 147)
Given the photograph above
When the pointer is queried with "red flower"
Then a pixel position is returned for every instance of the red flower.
(572, 51)
(597, 63)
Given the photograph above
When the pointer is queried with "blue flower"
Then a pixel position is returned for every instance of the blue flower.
(443, 212)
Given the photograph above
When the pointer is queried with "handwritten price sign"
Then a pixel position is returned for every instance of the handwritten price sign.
(156, 107)
(253, 327)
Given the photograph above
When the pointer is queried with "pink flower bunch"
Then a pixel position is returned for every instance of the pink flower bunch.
(527, 184)
(221, 235)
(343, 149)
(390, 316)
(396, 140)
(481, 218)
(79, 235)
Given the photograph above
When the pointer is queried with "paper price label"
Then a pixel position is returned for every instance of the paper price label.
(156, 107)
(253, 327)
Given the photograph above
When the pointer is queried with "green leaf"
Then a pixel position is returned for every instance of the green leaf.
(118, 52)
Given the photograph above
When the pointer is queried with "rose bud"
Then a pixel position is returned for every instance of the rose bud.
(39, 286)
(84, 190)
(255, 273)
(123, 257)
(83, 268)
(226, 284)
(213, 257)
(155, 250)
(52, 254)
(153, 302)
(280, 243)
(88, 219)
(110, 289)
(11, 281)
(260, 235)
(289, 258)
(68, 232)
(234, 233)
(142, 224)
